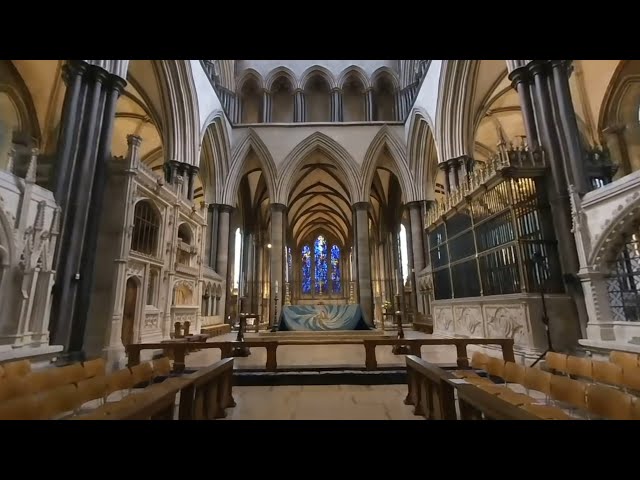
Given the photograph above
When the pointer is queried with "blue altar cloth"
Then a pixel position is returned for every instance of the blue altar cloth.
(322, 318)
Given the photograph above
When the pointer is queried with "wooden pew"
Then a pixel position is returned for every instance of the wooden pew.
(428, 390)
(177, 350)
(207, 392)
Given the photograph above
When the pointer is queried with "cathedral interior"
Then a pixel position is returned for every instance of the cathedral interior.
(320, 239)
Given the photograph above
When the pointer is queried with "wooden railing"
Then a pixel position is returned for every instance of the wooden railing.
(432, 391)
(179, 350)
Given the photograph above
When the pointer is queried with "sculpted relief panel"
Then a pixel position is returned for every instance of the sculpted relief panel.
(443, 319)
(507, 321)
(468, 321)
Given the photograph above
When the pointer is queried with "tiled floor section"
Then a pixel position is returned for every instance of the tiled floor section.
(319, 402)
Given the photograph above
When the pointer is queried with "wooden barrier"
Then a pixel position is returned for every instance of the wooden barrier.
(432, 391)
(207, 392)
(179, 350)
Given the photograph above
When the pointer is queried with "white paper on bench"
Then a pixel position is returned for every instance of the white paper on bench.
(458, 381)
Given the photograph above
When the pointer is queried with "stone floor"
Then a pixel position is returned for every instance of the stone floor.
(319, 402)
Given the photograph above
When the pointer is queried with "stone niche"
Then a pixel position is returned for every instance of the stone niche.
(517, 316)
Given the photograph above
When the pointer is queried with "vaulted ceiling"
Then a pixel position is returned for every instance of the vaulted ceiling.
(320, 202)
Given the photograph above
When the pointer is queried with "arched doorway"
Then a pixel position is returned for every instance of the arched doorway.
(129, 313)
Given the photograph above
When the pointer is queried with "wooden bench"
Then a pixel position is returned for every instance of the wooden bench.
(216, 330)
(179, 349)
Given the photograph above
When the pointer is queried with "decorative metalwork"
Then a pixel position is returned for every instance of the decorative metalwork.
(624, 281)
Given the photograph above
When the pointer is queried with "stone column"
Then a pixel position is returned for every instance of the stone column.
(222, 257)
(298, 106)
(417, 247)
(521, 82)
(363, 260)
(336, 105)
(88, 147)
(569, 125)
(368, 105)
(212, 231)
(73, 74)
(266, 106)
(113, 89)
(614, 138)
(277, 258)
(444, 166)
(453, 174)
(192, 171)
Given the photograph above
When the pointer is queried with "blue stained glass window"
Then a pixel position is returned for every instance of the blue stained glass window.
(306, 269)
(320, 251)
(335, 269)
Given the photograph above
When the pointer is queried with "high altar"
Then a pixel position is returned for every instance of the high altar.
(322, 318)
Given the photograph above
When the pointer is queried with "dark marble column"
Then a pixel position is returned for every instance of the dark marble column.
(222, 254)
(193, 171)
(368, 105)
(299, 107)
(266, 106)
(336, 105)
(277, 259)
(569, 125)
(212, 228)
(444, 166)
(363, 260)
(73, 75)
(521, 81)
(85, 150)
(417, 247)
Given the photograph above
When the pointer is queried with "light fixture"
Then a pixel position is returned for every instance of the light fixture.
(268, 245)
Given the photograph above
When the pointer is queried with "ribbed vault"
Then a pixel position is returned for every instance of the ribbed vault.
(320, 201)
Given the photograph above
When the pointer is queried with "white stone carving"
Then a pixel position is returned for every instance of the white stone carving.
(135, 269)
(443, 319)
(151, 320)
(506, 322)
(468, 321)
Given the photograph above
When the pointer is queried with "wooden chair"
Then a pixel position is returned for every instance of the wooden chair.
(59, 402)
(609, 403)
(12, 387)
(92, 389)
(161, 367)
(95, 368)
(495, 367)
(635, 408)
(581, 367)
(478, 362)
(546, 412)
(118, 384)
(624, 359)
(556, 362)
(538, 380)
(607, 372)
(514, 373)
(19, 368)
(23, 408)
(1, 372)
(71, 373)
(43, 380)
(142, 373)
(631, 379)
(569, 391)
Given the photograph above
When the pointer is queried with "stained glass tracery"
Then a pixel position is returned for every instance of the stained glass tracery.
(335, 269)
(306, 269)
(321, 273)
(320, 251)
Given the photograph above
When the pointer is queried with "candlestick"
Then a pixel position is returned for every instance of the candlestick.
(276, 287)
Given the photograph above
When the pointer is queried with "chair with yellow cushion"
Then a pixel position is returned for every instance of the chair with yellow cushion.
(19, 368)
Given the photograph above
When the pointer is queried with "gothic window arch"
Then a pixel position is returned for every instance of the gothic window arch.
(321, 268)
(146, 228)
